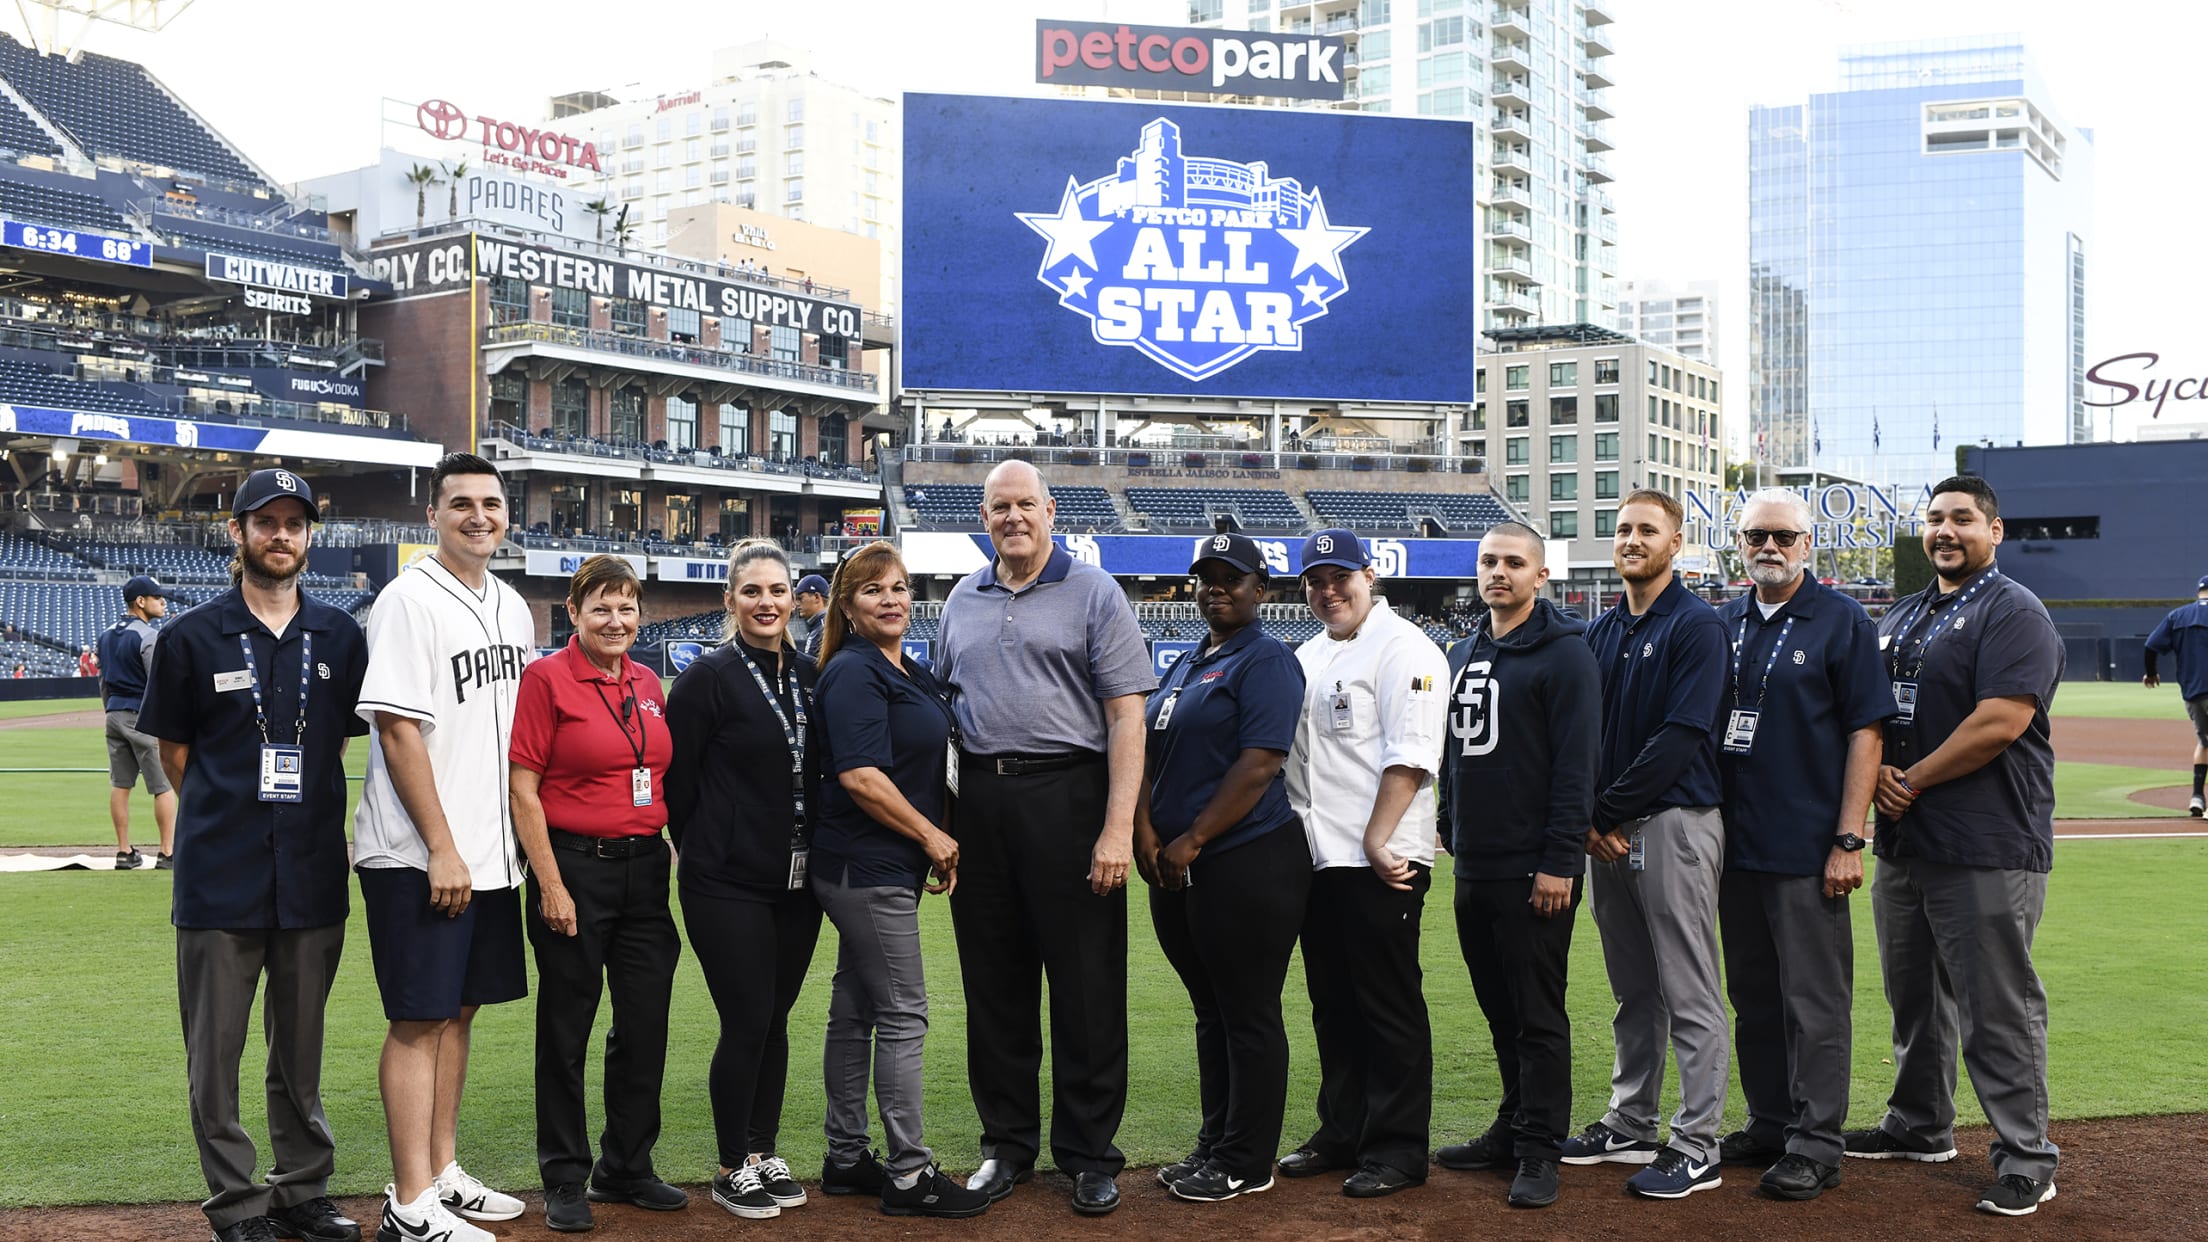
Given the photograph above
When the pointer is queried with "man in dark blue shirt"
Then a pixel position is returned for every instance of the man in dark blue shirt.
(1799, 754)
(1965, 841)
(1659, 844)
(253, 699)
(2184, 635)
(126, 651)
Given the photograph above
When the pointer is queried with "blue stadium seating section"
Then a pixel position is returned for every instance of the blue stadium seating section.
(111, 107)
(36, 659)
(1468, 513)
(23, 558)
(696, 627)
(192, 235)
(179, 564)
(21, 135)
(24, 199)
(22, 383)
(1192, 507)
(959, 504)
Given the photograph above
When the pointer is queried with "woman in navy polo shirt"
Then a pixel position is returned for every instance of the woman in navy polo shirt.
(1228, 868)
(587, 774)
(888, 727)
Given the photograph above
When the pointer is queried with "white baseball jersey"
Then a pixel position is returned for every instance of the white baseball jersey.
(449, 656)
(1375, 701)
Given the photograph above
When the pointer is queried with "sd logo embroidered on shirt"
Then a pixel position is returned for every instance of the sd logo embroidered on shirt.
(1798, 657)
(322, 670)
(1647, 650)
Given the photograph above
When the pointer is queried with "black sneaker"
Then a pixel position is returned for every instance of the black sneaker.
(2016, 1195)
(164, 862)
(1171, 1173)
(780, 1184)
(863, 1176)
(741, 1192)
(1877, 1144)
(316, 1220)
(1493, 1149)
(567, 1209)
(1740, 1147)
(1212, 1184)
(1375, 1181)
(932, 1195)
(251, 1229)
(1799, 1178)
(1535, 1185)
(129, 860)
(1599, 1142)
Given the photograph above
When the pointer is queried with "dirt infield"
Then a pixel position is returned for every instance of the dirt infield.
(2132, 1178)
(89, 718)
(2125, 743)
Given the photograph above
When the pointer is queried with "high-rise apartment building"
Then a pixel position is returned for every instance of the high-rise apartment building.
(1531, 74)
(1918, 242)
(765, 133)
(1683, 320)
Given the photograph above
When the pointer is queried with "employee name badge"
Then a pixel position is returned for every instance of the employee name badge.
(283, 773)
(1905, 698)
(1342, 721)
(640, 787)
(1740, 731)
(950, 767)
(799, 856)
(1636, 851)
(1165, 711)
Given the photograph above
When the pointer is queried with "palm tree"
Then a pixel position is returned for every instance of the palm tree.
(421, 177)
(624, 231)
(600, 208)
(454, 173)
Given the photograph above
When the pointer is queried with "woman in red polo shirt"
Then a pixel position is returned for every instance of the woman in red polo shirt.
(587, 772)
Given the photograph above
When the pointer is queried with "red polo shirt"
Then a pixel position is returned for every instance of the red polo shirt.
(568, 729)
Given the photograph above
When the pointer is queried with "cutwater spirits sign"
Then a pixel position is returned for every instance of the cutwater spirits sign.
(1192, 260)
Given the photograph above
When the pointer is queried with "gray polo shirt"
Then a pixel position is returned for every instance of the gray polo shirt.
(1031, 667)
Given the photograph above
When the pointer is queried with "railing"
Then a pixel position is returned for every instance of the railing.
(659, 454)
(140, 339)
(1305, 457)
(670, 351)
(248, 413)
(271, 221)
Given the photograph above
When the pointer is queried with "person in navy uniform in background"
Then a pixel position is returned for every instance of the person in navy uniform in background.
(126, 652)
(253, 700)
(2183, 635)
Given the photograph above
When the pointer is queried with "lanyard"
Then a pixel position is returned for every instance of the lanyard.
(260, 710)
(621, 719)
(1740, 652)
(1924, 610)
(792, 735)
(1176, 682)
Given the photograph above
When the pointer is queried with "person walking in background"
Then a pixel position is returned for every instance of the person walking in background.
(1214, 807)
(126, 659)
(1965, 840)
(1798, 754)
(2183, 636)
(1050, 671)
(1517, 793)
(252, 700)
(1658, 842)
(1367, 749)
(805, 627)
(890, 743)
(743, 824)
(587, 775)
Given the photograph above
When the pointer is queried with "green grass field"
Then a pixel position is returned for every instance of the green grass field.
(2127, 699)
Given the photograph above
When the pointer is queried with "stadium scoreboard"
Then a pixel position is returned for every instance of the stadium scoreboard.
(76, 244)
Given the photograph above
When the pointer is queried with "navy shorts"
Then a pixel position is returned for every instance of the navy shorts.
(430, 967)
(2198, 710)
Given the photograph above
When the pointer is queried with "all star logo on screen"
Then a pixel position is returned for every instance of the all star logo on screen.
(1198, 262)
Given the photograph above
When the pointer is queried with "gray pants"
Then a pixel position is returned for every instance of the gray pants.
(877, 1019)
(1659, 946)
(1790, 970)
(217, 973)
(1955, 944)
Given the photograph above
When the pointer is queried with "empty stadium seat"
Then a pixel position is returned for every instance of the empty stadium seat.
(23, 558)
(959, 504)
(23, 383)
(1195, 507)
(44, 204)
(112, 107)
(297, 250)
(21, 135)
(1467, 513)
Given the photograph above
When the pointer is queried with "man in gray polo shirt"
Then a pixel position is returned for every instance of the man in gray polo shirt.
(1050, 671)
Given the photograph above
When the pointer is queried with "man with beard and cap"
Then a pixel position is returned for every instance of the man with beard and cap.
(1966, 802)
(1799, 756)
(252, 699)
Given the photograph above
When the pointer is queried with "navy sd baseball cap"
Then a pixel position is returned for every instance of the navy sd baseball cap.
(2202, 587)
(1334, 546)
(142, 586)
(1229, 548)
(265, 486)
(813, 583)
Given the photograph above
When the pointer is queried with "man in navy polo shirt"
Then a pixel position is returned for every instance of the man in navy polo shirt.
(1966, 837)
(2184, 635)
(252, 700)
(1659, 843)
(1799, 754)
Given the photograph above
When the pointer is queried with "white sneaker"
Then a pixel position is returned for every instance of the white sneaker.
(424, 1220)
(465, 1196)
(2197, 807)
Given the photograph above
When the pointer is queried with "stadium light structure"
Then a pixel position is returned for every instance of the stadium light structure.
(45, 33)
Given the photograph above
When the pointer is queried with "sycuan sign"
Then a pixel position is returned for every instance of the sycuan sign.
(2148, 390)
(1186, 58)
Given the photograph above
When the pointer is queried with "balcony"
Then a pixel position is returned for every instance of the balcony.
(1511, 127)
(1598, 13)
(1597, 169)
(1508, 231)
(1512, 22)
(695, 361)
(1343, 24)
(1513, 57)
(1607, 229)
(1596, 79)
(1513, 91)
(1596, 107)
(1596, 42)
(1504, 300)
(1511, 196)
(1512, 268)
(1512, 160)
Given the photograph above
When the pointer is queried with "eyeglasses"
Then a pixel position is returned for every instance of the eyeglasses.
(1755, 538)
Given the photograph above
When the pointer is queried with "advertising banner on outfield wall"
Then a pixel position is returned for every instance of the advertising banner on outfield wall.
(1068, 246)
(538, 563)
(1168, 556)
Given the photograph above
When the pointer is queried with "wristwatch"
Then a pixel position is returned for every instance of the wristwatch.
(1849, 841)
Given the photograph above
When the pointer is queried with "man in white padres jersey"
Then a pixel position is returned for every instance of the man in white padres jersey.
(434, 844)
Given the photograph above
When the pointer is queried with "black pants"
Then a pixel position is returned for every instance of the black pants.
(1517, 960)
(1023, 909)
(737, 941)
(624, 942)
(1229, 935)
(1376, 1049)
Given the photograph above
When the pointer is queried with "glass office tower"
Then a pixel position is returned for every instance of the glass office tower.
(1919, 241)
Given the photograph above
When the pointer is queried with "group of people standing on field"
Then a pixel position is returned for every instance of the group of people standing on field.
(1703, 766)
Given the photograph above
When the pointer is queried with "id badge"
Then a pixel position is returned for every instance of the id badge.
(283, 773)
(1740, 731)
(798, 857)
(1905, 698)
(950, 767)
(1165, 711)
(640, 787)
(1636, 853)
(1342, 719)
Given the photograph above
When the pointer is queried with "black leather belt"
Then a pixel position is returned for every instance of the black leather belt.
(605, 847)
(1030, 765)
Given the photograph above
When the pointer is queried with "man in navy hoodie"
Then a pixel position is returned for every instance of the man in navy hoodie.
(1517, 794)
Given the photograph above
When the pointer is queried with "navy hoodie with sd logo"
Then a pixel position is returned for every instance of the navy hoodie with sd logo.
(1525, 734)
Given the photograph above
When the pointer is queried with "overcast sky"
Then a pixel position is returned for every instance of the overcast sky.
(298, 85)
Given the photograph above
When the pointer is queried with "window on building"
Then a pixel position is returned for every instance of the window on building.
(735, 427)
(627, 316)
(1606, 485)
(1375, 12)
(1606, 407)
(1564, 486)
(1516, 451)
(1517, 488)
(1515, 378)
(1564, 524)
(720, 117)
(793, 191)
(1606, 523)
(682, 518)
(633, 136)
(1478, 419)
(793, 164)
(570, 408)
(794, 110)
(793, 137)
(682, 325)
(1201, 11)
(1375, 45)
(625, 509)
(1563, 374)
(1606, 446)
(1606, 370)
(1655, 374)
(570, 506)
(785, 344)
(782, 435)
(835, 440)
(1479, 380)
(835, 352)
(735, 335)
(682, 422)
(510, 398)
(1440, 32)
(1563, 449)
(1563, 411)
(625, 412)
(735, 518)
(571, 308)
(509, 300)
(1517, 413)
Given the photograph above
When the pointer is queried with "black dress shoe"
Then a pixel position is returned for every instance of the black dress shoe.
(1094, 1194)
(251, 1229)
(644, 1192)
(566, 1210)
(1740, 1147)
(316, 1220)
(1375, 1180)
(1309, 1162)
(1799, 1177)
(996, 1178)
